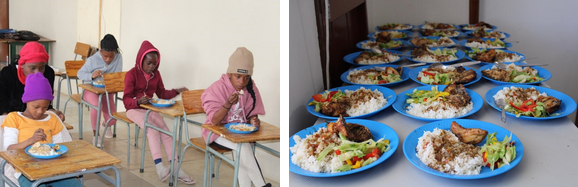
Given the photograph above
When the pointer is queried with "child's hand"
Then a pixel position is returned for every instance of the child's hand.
(233, 98)
(38, 135)
(179, 90)
(96, 74)
(255, 121)
(143, 100)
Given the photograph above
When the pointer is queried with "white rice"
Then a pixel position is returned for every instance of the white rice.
(442, 42)
(359, 79)
(438, 110)
(430, 26)
(482, 45)
(502, 35)
(303, 157)
(511, 67)
(431, 58)
(390, 58)
(474, 28)
(508, 94)
(369, 44)
(515, 58)
(463, 164)
(365, 105)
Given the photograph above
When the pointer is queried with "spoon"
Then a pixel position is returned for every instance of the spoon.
(501, 65)
(437, 64)
(382, 68)
(501, 104)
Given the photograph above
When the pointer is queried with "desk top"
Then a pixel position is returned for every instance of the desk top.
(175, 110)
(92, 88)
(80, 156)
(42, 39)
(265, 132)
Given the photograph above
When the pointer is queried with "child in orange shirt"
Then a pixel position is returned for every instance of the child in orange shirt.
(22, 129)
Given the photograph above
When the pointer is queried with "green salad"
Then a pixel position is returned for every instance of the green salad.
(498, 153)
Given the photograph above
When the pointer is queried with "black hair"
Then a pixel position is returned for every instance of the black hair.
(108, 43)
(252, 93)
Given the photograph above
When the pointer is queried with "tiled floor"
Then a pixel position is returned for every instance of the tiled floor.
(193, 162)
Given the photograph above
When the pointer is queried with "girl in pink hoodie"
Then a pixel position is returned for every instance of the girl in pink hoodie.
(235, 98)
(140, 84)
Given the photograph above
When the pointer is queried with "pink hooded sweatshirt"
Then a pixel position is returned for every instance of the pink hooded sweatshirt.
(217, 94)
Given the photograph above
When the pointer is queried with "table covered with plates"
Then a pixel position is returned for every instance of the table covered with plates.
(549, 147)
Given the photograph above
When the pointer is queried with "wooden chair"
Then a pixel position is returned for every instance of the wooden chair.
(192, 104)
(114, 83)
(72, 67)
(84, 51)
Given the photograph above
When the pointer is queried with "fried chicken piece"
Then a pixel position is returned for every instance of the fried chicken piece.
(334, 108)
(383, 37)
(487, 56)
(427, 32)
(418, 41)
(468, 135)
(475, 40)
(551, 103)
(497, 74)
(420, 51)
(464, 76)
(458, 95)
(352, 131)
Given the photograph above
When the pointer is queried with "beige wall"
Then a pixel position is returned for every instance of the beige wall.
(195, 39)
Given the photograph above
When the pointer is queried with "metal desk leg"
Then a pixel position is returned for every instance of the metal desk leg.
(235, 177)
(144, 138)
(58, 94)
(3, 177)
(207, 152)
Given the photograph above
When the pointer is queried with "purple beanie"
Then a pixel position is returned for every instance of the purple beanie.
(37, 87)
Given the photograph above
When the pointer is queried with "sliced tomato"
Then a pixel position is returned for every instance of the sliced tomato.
(330, 95)
(318, 98)
(382, 82)
(428, 73)
(337, 152)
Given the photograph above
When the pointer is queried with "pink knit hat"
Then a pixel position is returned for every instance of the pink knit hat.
(37, 87)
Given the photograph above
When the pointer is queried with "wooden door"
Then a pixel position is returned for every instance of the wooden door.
(347, 27)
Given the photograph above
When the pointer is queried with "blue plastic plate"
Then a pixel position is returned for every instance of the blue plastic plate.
(459, 54)
(408, 29)
(63, 149)
(567, 107)
(98, 85)
(469, 34)
(351, 57)
(228, 125)
(378, 130)
(161, 105)
(403, 44)
(544, 73)
(462, 27)
(460, 34)
(408, 33)
(415, 72)
(507, 51)
(410, 143)
(400, 104)
(387, 93)
(437, 38)
(404, 75)
(463, 43)
(455, 27)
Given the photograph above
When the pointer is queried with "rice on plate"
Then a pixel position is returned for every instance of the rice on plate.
(451, 102)
(370, 57)
(488, 43)
(350, 103)
(425, 54)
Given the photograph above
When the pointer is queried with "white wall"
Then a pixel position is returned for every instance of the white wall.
(195, 39)
(39, 17)
(304, 63)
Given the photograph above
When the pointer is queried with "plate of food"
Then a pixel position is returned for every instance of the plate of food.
(377, 140)
(514, 74)
(475, 147)
(441, 55)
(45, 151)
(391, 44)
(527, 101)
(384, 75)
(162, 102)
(370, 57)
(433, 42)
(98, 84)
(427, 75)
(353, 101)
(394, 26)
(393, 34)
(440, 33)
(243, 128)
(489, 56)
(490, 43)
(470, 27)
(438, 26)
(486, 34)
(432, 103)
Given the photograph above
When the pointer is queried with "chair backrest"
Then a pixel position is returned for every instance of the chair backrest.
(82, 49)
(72, 67)
(192, 103)
(114, 82)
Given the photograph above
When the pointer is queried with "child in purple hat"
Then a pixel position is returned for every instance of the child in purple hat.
(22, 129)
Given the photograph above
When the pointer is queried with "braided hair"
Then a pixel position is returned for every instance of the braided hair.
(252, 92)
(108, 43)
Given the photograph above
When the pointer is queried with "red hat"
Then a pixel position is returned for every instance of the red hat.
(31, 52)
